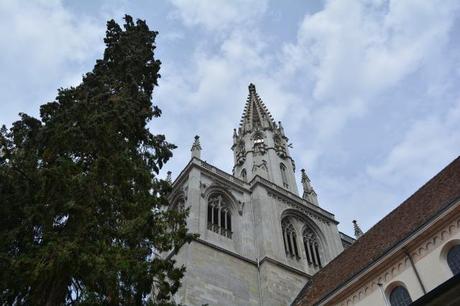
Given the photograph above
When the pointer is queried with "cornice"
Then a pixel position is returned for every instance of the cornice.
(394, 251)
(293, 200)
(213, 171)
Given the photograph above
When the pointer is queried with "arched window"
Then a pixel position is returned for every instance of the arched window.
(219, 216)
(453, 259)
(284, 176)
(400, 297)
(290, 239)
(311, 245)
(244, 175)
(258, 138)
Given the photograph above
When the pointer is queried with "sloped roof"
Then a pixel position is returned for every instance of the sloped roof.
(428, 201)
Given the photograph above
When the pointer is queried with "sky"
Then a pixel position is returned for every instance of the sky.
(367, 90)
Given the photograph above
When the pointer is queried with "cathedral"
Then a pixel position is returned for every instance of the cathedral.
(260, 239)
(263, 243)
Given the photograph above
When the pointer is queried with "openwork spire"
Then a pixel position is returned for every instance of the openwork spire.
(358, 231)
(255, 114)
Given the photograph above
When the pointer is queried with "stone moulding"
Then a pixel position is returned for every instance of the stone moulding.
(395, 269)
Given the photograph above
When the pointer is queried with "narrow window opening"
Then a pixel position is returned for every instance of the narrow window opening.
(209, 216)
(399, 296)
(312, 247)
(290, 239)
(229, 222)
(244, 175)
(284, 176)
(317, 255)
(296, 251)
(453, 259)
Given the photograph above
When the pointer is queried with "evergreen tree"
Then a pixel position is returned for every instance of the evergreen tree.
(83, 216)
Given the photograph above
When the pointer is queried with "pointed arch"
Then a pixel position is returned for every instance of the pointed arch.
(258, 136)
(289, 239)
(244, 175)
(313, 244)
(284, 179)
(219, 214)
(218, 188)
(311, 247)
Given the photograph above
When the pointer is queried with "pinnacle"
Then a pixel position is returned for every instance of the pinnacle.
(357, 229)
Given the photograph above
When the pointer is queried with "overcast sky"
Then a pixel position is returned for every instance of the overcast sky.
(368, 91)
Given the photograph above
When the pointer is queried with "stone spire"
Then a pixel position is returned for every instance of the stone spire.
(255, 114)
(358, 231)
(308, 193)
(196, 148)
(260, 147)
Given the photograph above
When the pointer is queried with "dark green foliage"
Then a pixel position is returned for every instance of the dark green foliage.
(82, 212)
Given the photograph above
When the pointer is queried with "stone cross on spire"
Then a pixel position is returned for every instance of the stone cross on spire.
(196, 148)
(358, 231)
(308, 193)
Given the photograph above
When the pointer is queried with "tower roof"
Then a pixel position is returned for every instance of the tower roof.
(255, 114)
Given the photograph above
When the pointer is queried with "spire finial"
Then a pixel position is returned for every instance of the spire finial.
(196, 148)
(358, 231)
(308, 193)
(252, 88)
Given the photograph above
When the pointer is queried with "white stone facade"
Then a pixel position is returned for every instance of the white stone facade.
(427, 248)
(242, 256)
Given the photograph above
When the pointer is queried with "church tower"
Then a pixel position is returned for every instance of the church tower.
(260, 146)
(259, 240)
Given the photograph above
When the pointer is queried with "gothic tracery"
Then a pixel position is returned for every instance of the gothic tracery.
(219, 215)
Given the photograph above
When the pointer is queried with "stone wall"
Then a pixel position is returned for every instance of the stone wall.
(216, 278)
(279, 286)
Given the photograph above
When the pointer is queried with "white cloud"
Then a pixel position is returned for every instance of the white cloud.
(356, 50)
(428, 145)
(44, 47)
(361, 61)
(218, 14)
(45, 35)
(352, 62)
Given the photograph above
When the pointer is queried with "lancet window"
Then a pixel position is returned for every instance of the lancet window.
(259, 145)
(312, 247)
(219, 216)
(290, 239)
(258, 138)
(244, 175)
(284, 175)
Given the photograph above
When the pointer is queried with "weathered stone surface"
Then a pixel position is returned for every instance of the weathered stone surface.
(223, 270)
